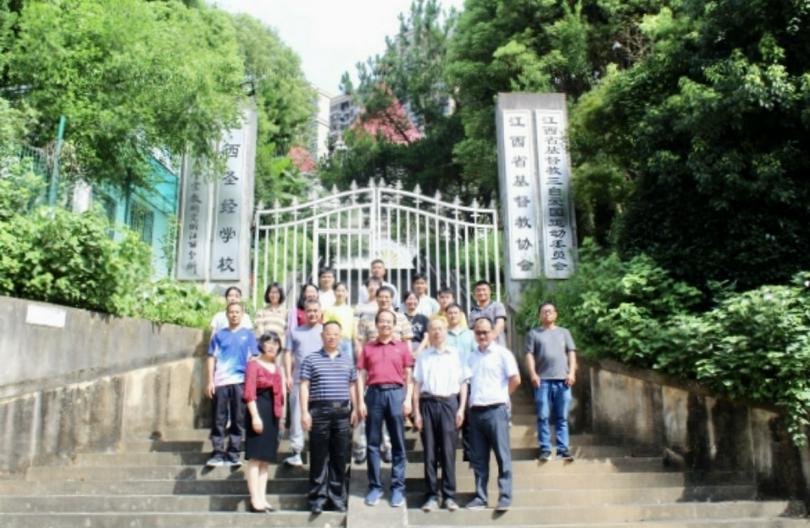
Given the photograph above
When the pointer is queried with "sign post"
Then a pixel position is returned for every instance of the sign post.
(534, 170)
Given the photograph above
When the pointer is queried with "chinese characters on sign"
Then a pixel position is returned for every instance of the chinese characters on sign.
(228, 209)
(194, 239)
(555, 194)
(520, 194)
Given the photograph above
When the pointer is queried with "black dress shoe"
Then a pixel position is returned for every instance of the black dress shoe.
(269, 509)
(316, 509)
(339, 507)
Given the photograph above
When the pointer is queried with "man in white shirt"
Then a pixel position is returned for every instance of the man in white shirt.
(378, 271)
(494, 377)
(428, 306)
(440, 399)
(326, 292)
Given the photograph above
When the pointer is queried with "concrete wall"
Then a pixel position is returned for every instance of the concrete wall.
(655, 413)
(46, 346)
(89, 381)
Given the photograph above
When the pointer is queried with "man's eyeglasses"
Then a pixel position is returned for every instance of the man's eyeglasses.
(482, 332)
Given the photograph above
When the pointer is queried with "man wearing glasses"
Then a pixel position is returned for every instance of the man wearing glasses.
(494, 378)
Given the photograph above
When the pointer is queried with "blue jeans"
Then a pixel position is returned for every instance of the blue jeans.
(552, 396)
(385, 406)
(489, 431)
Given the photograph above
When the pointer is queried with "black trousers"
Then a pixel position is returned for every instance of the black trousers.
(439, 439)
(329, 451)
(227, 404)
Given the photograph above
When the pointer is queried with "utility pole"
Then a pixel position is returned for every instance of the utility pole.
(53, 187)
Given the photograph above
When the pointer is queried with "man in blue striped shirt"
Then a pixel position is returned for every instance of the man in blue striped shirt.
(328, 396)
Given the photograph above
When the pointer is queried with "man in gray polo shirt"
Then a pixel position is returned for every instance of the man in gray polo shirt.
(489, 309)
(551, 361)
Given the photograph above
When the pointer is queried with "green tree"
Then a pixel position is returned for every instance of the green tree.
(708, 131)
(130, 76)
(285, 103)
(526, 45)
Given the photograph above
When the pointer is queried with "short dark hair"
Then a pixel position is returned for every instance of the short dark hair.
(324, 271)
(311, 302)
(332, 322)
(372, 279)
(339, 283)
(388, 289)
(231, 288)
(377, 260)
(446, 290)
(483, 282)
(408, 294)
(418, 276)
(301, 298)
(452, 305)
(277, 286)
(237, 303)
(377, 317)
(483, 319)
(269, 336)
(544, 304)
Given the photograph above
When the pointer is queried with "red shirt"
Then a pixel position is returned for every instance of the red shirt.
(385, 362)
(257, 377)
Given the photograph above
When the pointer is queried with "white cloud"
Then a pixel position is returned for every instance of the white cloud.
(329, 36)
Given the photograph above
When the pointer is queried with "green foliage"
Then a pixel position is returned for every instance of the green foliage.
(285, 104)
(522, 45)
(698, 145)
(752, 345)
(57, 256)
(130, 76)
(410, 70)
(168, 301)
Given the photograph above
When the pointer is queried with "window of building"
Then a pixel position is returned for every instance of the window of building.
(141, 221)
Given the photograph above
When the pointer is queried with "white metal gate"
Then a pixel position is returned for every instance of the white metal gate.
(454, 245)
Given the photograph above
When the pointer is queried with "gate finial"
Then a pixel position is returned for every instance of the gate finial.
(417, 189)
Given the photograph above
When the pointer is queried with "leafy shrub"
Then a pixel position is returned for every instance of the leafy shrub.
(752, 345)
(57, 256)
(169, 301)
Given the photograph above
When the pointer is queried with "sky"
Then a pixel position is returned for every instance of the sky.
(329, 36)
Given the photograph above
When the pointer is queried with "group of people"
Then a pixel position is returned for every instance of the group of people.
(354, 378)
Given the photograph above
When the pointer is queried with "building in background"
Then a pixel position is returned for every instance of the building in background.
(343, 112)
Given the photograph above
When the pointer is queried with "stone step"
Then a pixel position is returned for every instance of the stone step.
(594, 497)
(281, 471)
(235, 486)
(525, 439)
(198, 519)
(173, 501)
(531, 452)
(782, 522)
(541, 481)
(624, 513)
(145, 503)
(414, 456)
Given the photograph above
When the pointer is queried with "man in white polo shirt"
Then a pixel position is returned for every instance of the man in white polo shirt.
(494, 377)
(440, 399)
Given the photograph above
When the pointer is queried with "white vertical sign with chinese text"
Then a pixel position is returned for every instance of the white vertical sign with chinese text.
(194, 238)
(555, 194)
(228, 209)
(520, 194)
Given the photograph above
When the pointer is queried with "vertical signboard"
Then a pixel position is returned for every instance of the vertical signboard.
(535, 187)
(555, 194)
(193, 248)
(228, 209)
(519, 192)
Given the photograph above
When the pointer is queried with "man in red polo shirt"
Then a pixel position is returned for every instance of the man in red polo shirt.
(385, 366)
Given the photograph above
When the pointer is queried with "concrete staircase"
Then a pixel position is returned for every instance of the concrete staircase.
(162, 483)
(154, 483)
(607, 486)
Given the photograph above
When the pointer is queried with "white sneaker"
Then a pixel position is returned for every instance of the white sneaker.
(294, 460)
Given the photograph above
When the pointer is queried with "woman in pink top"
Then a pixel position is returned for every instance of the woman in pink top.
(264, 395)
